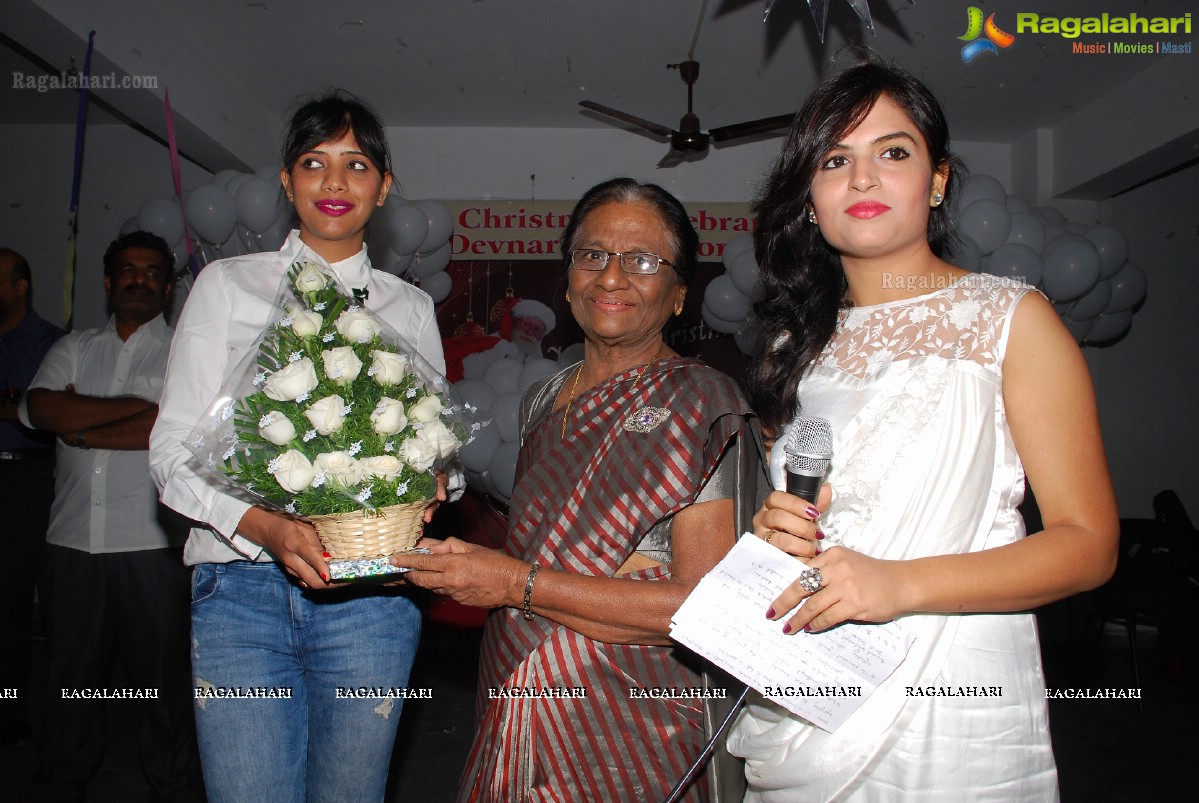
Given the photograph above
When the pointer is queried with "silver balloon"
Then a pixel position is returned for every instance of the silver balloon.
(987, 222)
(1128, 288)
(506, 413)
(432, 262)
(744, 274)
(438, 286)
(980, 187)
(716, 324)
(1112, 248)
(723, 299)
(1109, 327)
(1027, 229)
(1016, 261)
(1017, 205)
(735, 248)
(503, 375)
(1078, 329)
(1093, 303)
(1049, 216)
(1071, 267)
(533, 371)
(476, 393)
(502, 468)
(476, 455)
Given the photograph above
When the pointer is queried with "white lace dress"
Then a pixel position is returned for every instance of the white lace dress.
(924, 465)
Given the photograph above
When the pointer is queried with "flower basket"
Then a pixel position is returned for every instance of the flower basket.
(359, 543)
(334, 418)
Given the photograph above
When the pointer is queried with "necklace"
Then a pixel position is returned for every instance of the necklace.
(575, 386)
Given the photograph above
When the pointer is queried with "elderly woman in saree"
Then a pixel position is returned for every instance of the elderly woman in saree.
(630, 464)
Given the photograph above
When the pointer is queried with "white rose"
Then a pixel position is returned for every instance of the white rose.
(311, 278)
(341, 364)
(438, 437)
(304, 323)
(417, 454)
(357, 325)
(427, 409)
(388, 416)
(327, 414)
(292, 471)
(339, 466)
(384, 466)
(291, 381)
(276, 428)
(388, 368)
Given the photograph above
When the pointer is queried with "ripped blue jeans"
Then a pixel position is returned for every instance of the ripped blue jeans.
(292, 687)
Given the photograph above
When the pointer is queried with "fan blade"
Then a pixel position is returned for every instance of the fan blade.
(646, 125)
(748, 129)
(673, 159)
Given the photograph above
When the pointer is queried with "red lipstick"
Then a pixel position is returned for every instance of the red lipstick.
(864, 210)
(334, 208)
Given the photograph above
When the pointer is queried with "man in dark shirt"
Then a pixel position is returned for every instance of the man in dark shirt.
(26, 487)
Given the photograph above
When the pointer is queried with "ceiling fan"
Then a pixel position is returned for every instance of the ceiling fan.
(688, 143)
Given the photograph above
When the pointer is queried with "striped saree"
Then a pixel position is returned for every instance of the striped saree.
(557, 719)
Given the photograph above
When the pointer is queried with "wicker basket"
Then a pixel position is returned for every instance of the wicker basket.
(363, 534)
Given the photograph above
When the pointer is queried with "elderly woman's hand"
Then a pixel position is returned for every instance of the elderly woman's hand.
(467, 573)
(790, 523)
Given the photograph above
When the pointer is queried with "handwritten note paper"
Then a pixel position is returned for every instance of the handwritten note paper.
(822, 677)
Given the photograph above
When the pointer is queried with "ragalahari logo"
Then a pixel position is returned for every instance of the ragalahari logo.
(992, 37)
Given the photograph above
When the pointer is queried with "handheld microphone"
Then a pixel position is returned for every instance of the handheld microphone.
(809, 453)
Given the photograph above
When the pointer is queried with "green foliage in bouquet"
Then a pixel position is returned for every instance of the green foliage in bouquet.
(340, 421)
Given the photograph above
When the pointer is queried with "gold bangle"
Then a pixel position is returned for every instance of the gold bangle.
(528, 610)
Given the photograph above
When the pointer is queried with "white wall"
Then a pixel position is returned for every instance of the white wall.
(122, 169)
(1148, 383)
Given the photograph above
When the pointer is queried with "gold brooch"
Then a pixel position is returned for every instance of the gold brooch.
(646, 419)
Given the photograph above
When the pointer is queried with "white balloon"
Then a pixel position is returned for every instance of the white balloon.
(128, 226)
(982, 187)
(401, 263)
(231, 247)
(717, 324)
(270, 174)
(1016, 261)
(502, 468)
(965, 254)
(1108, 327)
(725, 301)
(1128, 288)
(987, 222)
(438, 286)
(1079, 329)
(744, 274)
(407, 227)
(210, 213)
(258, 204)
(746, 337)
(735, 248)
(222, 178)
(441, 224)
(503, 375)
(571, 354)
(161, 217)
(1049, 216)
(1027, 229)
(1112, 247)
(1017, 205)
(476, 393)
(505, 413)
(1093, 303)
(432, 262)
(476, 455)
(235, 183)
(1071, 267)
(534, 370)
(1074, 227)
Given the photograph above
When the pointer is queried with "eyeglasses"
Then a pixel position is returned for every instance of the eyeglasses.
(639, 264)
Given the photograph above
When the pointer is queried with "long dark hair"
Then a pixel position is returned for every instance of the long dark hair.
(328, 118)
(800, 273)
(679, 230)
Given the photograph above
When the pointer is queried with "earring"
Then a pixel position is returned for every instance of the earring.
(937, 199)
(812, 216)
(567, 296)
(678, 310)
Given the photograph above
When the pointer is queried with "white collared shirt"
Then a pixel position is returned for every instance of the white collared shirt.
(231, 304)
(104, 499)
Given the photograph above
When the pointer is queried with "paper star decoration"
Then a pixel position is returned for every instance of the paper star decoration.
(819, 9)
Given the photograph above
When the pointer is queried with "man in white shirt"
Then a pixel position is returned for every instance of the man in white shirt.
(115, 587)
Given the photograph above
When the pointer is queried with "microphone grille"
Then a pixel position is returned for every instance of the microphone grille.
(810, 448)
